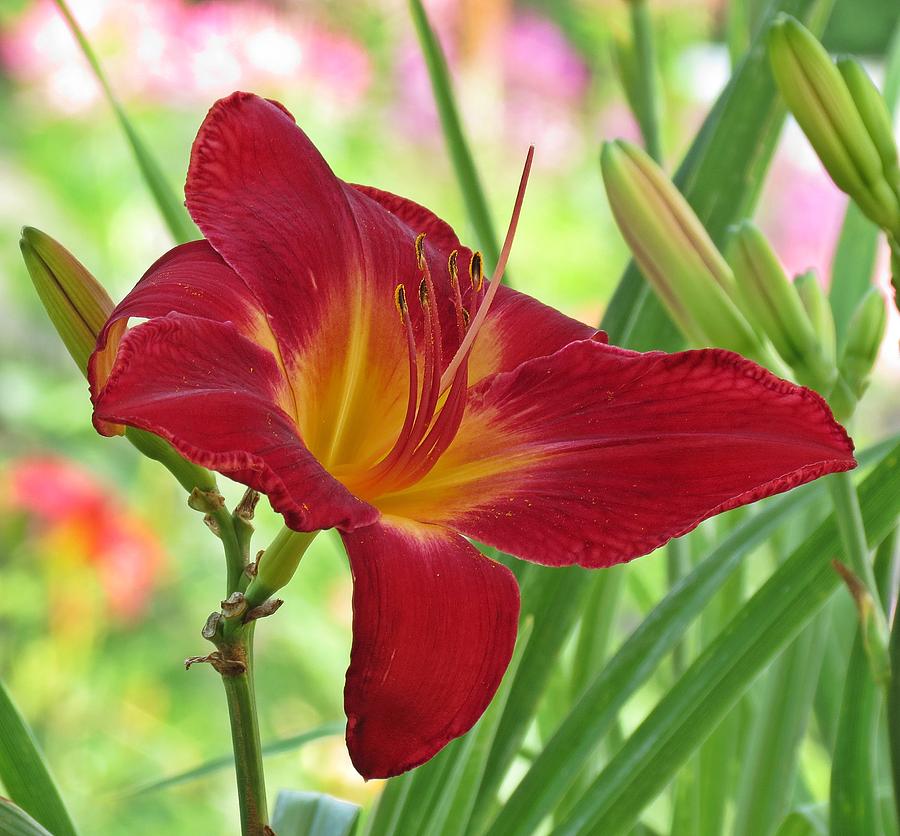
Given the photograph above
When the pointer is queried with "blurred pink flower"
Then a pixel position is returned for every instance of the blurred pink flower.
(172, 50)
(69, 507)
(532, 86)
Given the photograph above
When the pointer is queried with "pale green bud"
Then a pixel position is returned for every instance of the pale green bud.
(674, 251)
(769, 302)
(75, 301)
(873, 110)
(864, 336)
(818, 309)
(822, 104)
(78, 306)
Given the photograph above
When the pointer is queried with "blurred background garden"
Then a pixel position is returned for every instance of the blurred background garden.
(105, 579)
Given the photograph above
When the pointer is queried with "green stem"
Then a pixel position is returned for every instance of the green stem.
(235, 559)
(856, 553)
(463, 164)
(646, 94)
(241, 697)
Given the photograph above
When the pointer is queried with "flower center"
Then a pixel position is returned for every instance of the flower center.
(435, 410)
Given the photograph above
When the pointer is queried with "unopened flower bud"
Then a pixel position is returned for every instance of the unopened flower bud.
(75, 301)
(674, 251)
(873, 111)
(864, 336)
(770, 304)
(822, 104)
(78, 307)
(818, 309)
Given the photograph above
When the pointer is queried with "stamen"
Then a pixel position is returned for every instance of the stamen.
(400, 445)
(481, 314)
(452, 266)
(476, 271)
(420, 250)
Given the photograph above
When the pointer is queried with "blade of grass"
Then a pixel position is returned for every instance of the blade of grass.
(24, 772)
(721, 176)
(170, 207)
(680, 722)
(461, 157)
(16, 822)
(769, 764)
(227, 761)
(857, 247)
(855, 806)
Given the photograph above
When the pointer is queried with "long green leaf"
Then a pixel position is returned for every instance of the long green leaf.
(463, 164)
(857, 247)
(721, 176)
(854, 775)
(803, 823)
(170, 207)
(25, 774)
(313, 814)
(14, 821)
(770, 761)
(227, 761)
(680, 722)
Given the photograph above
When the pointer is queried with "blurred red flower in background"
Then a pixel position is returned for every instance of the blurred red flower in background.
(75, 513)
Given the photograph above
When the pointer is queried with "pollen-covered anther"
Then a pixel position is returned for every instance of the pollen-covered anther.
(476, 271)
(400, 299)
(420, 250)
(453, 268)
(423, 292)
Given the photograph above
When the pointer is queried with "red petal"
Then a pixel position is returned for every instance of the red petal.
(189, 279)
(519, 327)
(323, 259)
(597, 455)
(434, 624)
(220, 400)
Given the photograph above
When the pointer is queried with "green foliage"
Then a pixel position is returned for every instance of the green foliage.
(25, 775)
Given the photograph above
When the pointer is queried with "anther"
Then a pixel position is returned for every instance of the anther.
(420, 250)
(451, 266)
(476, 271)
(400, 298)
(423, 292)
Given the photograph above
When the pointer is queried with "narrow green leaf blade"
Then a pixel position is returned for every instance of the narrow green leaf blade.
(721, 176)
(680, 722)
(559, 764)
(313, 814)
(855, 805)
(25, 774)
(170, 207)
(803, 823)
(463, 164)
(227, 761)
(14, 821)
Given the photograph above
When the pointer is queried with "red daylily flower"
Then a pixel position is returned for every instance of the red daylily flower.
(315, 347)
